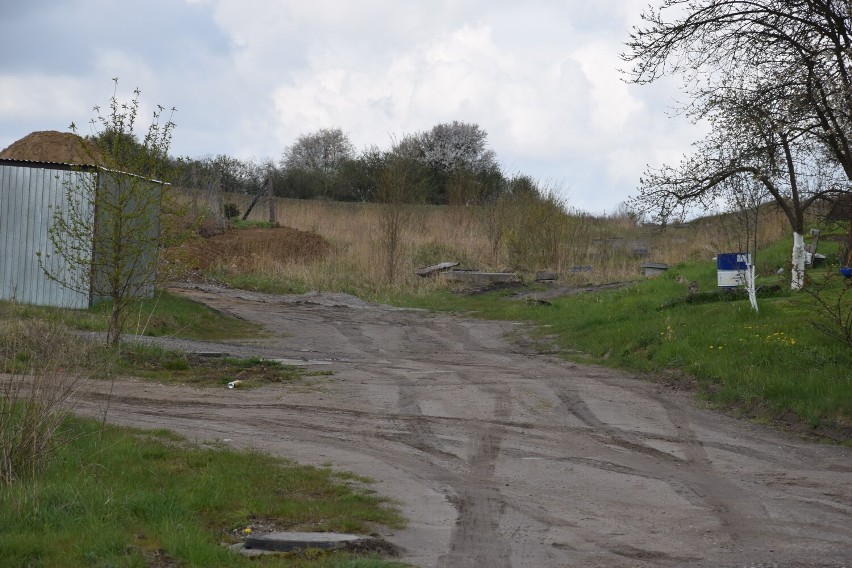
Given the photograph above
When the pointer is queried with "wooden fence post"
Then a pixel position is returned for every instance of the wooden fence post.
(272, 217)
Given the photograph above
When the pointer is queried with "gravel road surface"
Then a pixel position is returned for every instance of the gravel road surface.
(504, 458)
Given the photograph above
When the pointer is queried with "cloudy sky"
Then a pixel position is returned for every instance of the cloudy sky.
(248, 76)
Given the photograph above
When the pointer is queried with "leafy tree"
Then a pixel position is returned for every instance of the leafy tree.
(535, 227)
(359, 179)
(118, 210)
(300, 184)
(772, 77)
(229, 174)
(521, 185)
(450, 147)
(123, 146)
(318, 158)
(458, 161)
(323, 150)
(232, 210)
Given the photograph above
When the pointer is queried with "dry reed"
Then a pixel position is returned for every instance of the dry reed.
(587, 249)
(38, 379)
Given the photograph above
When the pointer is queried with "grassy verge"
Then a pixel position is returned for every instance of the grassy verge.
(41, 332)
(166, 314)
(118, 497)
(261, 282)
(31, 347)
(164, 365)
(772, 365)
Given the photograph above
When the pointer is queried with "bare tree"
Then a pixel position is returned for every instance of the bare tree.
(744, 200)
(752, 140)
(798, 53)
(772, 75)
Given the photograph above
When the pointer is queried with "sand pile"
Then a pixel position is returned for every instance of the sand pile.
(53, 146)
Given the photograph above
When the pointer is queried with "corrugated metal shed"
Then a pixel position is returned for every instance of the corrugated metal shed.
(142, 228)
(30, 193)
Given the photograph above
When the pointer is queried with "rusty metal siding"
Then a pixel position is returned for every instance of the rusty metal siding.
(28, 198)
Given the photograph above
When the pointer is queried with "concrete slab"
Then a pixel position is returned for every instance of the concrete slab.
(654, 268)
(211, 354)
(302, 362)
(435, 268)
(292, 541)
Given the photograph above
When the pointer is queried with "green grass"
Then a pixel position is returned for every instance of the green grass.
(261, 282)
(166, 314)
(119, 497)
(771, 364)
(42, 339)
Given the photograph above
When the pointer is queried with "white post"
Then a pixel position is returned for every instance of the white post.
(797, 280)
(751, 287)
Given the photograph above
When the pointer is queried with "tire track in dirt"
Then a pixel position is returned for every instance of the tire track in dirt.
(476, 541)
(691, 476)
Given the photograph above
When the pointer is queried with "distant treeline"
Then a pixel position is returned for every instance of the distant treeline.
(449, 164)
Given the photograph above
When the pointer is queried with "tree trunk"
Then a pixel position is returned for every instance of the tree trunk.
(114, 332)
(797, 273)
(751, 286)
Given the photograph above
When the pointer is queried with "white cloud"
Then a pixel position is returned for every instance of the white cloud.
(539, 80)
(248, 77)
(41, 97)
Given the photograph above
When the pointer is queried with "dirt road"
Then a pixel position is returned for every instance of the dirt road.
(504, 458)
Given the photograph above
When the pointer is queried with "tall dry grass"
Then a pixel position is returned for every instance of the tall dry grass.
(37, 380)
(513, 236)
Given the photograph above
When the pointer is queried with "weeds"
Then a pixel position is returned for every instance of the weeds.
(833, 306)
(41, 365)
(495, 236)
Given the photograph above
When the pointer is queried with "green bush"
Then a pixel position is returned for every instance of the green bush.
(232, 211)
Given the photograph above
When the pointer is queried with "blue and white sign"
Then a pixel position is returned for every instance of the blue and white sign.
(731, 269)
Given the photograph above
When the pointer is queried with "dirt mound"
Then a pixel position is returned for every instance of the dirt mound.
(241, 247)
(53, 146)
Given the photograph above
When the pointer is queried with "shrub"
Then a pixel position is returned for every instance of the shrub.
(231, 210)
